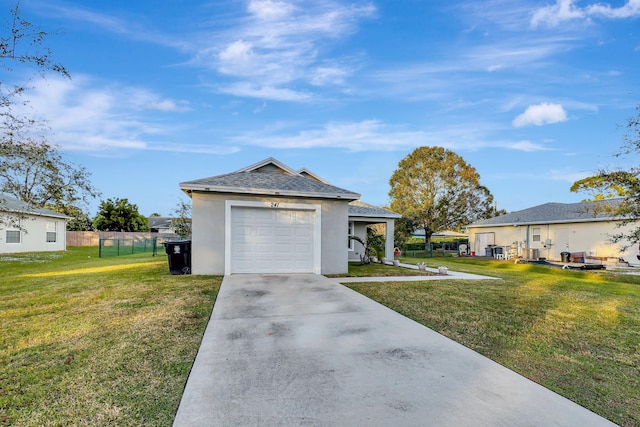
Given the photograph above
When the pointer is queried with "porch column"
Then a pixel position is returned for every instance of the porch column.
(388, 247)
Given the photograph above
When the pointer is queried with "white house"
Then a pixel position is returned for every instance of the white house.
(161, 224)
(24, 228)
(270, 218)
(548, 230)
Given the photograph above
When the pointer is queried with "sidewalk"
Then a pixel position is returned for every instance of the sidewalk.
(450, 275)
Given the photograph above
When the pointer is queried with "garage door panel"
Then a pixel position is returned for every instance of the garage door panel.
(263, 248)
(302, 232)
(282, 231)
(262, 214)
(265, 240)
(302, 247)
(244, 248)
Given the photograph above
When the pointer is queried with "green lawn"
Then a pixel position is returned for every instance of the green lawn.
(577, 333)
(91, 341)
(97, 341)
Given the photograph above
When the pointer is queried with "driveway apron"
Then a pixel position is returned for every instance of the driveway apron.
(302, 349)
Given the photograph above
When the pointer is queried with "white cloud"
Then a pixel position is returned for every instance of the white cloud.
(366, 135)
(566, 10)
(127, 27)
(251, 90)
(374, 135)
(541, 114)
(84, 114)
(270, 10)
(326, 75)
(277, 44)
(169, 105)
(527, 146)
(238, 58)
(631, 9)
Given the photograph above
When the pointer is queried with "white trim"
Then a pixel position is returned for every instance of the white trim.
(267, 161)
(48, 226)
(275, 204)
(267, 192)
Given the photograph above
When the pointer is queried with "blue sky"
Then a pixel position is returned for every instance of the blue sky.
(531, 93)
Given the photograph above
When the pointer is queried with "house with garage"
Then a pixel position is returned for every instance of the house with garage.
(549, 230)
(270, 218)
(24, 228)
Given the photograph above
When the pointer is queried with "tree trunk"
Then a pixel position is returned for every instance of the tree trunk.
(427, 241)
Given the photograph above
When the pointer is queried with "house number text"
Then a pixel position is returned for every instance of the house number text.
(275, 204)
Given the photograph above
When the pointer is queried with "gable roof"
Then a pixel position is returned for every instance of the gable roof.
(12, 205)
(268, 177)
(362, 209)
(306, 172)
(551, 213)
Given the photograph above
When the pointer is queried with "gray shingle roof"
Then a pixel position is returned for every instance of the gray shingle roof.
(268, 181)
(10, 204)
(555, 213)
(358, 208)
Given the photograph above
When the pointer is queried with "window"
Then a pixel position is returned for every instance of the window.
(51, 232)
(350, 233)
(536, 234)
(13, 236)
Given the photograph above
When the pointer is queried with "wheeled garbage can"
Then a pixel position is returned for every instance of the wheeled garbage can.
(179, 256)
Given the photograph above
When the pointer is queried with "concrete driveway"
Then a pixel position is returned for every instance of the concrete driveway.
(295, 350)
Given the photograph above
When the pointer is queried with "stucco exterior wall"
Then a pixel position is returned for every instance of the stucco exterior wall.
(360, 230)
(589, 237)
(34, 239)
(209, 222)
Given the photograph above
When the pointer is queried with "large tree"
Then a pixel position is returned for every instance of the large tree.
(119, 215)
(22, 52)
(36, 173)
(435, 188)
(182, 220)
(623, 183)
(31, 169)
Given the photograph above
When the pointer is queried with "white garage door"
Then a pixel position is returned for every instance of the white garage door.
(265, 240)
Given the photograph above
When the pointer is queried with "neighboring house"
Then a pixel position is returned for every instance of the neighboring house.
(269, 218)
(447, 234)
(161, 224)
(28, 229)
(547, 230)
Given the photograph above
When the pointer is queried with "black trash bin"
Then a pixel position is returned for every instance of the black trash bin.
(179, 256)
(565, 256)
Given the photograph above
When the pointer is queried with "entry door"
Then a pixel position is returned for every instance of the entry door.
(266, 240)
(483, 240)
(561, 242)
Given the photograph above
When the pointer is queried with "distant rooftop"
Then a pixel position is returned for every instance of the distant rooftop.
(600, 210)
(11, 204)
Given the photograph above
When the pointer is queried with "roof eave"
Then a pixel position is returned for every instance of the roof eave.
(21, 212)
(366, 217)
(269, 192)
(564, 221)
